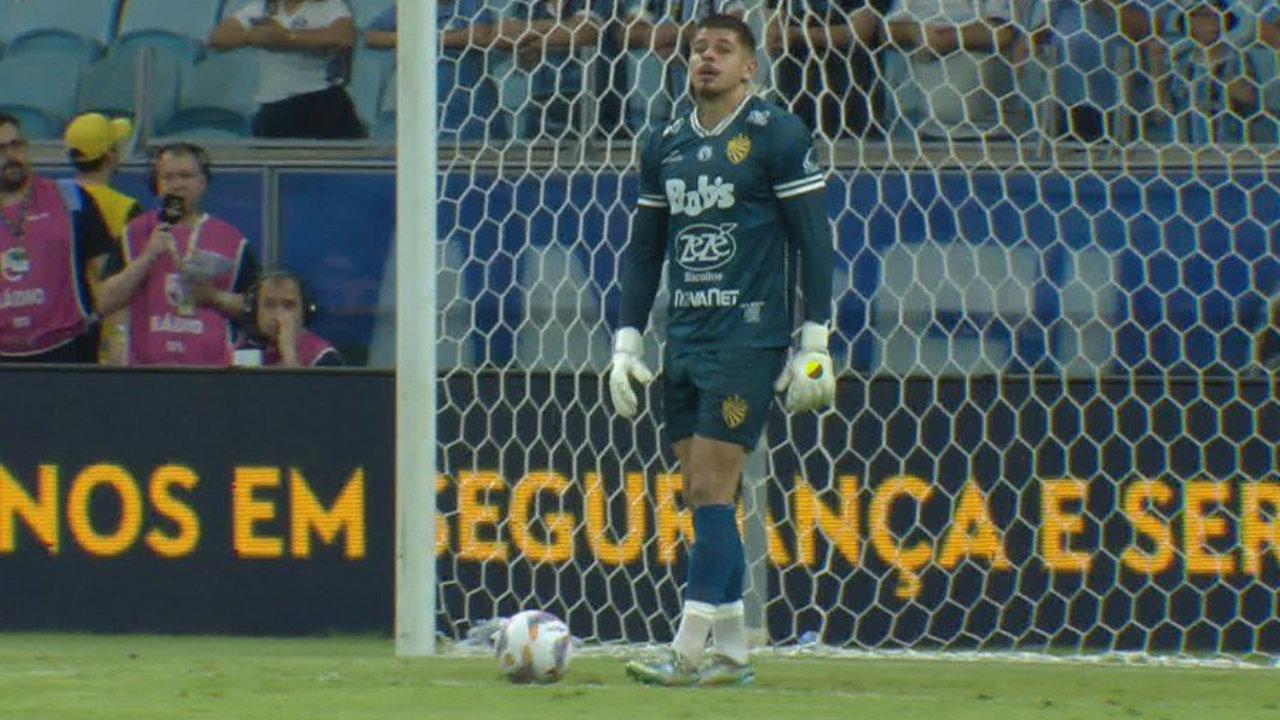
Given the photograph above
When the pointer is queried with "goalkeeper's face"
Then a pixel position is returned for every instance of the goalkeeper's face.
(721, 63)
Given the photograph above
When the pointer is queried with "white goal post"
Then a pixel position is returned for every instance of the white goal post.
(1053, 433)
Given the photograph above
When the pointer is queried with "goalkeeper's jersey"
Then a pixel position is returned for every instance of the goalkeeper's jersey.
(731, 268)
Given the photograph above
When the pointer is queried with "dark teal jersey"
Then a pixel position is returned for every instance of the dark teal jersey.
(730, 254)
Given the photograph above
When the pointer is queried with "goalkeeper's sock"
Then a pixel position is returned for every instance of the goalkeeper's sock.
(710, 562)
(730, 632)
(695, 626)
(712, 557)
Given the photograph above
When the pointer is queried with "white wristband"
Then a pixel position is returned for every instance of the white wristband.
(628, 341)
(813, 336)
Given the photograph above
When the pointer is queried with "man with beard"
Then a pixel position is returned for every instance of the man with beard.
(53, 246)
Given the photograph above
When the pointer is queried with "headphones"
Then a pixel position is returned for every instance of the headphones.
(310, 307)
(180, 148)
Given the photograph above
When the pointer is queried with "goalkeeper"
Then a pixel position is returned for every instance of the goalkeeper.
(732, 197)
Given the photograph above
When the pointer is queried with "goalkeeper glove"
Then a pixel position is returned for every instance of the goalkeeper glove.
(808, 379)
(628, 365)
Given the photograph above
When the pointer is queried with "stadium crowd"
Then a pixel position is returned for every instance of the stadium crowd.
(1093, 70)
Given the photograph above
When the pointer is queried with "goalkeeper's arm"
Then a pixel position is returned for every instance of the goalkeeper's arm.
(806, 219)
(641, 273)
(809, 379)
(642, 265)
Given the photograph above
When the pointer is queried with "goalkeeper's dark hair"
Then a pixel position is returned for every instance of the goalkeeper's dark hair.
(720, 21)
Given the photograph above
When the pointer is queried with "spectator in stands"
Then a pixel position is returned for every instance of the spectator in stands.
(1222, 32)
(309, 45)
(54, 245)
(282, 307)
(656, 35)
(182, 273)
(555, 41)
(94, 147)
(468, 95)
(956, 59)
(824, 72)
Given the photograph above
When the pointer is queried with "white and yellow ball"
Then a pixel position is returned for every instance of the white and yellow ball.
(533, 647)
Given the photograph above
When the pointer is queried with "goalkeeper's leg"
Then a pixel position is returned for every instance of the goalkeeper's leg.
(711, 469)
(734, 392)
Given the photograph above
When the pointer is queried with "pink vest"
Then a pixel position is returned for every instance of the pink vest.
(160, 332)
(311, 347)
(40, 303)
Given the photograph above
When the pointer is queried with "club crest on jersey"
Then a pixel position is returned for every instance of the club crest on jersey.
(707, 195)
(706, 247)
(734, 410)
(738, 149)
(704, 153)
(15, 264)
(811, 161)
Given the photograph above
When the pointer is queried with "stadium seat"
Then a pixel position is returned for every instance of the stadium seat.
(43, 107)
(216, 97)
(563, 327)
(109, 87)
(177, 27)
(79, 29)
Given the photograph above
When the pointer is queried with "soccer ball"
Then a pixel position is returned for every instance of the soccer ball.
(533, 647)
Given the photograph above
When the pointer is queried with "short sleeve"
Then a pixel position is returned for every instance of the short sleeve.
(996, 10)
(792, 164)
(595, 9)
(639, 9)
(330, 13)
(246, 14)
(386, 22)
(470, 12)
(651, 192)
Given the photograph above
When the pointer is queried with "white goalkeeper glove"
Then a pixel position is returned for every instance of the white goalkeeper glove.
(808, 379)
(628, 365)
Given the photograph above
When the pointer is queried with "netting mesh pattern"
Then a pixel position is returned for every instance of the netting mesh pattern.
(1054, 428)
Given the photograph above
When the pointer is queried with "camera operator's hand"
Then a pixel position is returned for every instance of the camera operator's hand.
(289, 328)
(160, 242)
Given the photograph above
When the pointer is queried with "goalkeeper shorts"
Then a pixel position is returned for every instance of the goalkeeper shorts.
(722, 394)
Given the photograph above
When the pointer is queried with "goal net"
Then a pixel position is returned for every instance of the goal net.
(1056, 252)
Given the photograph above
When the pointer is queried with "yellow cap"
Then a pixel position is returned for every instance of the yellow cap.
(92, 135)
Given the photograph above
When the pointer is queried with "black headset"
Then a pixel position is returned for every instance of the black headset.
(181, 148)
(310, 307)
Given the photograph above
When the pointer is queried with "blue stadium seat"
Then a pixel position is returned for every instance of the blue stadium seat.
(177, 27)
(75, 28)
(216, 96)
(108, 87)
(43, 107)
(368, 76)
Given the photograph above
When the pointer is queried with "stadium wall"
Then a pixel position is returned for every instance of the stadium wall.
(1049, 272)
(1128, 513)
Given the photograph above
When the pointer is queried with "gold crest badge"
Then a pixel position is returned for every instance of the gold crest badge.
(739, 148)
(734, 410)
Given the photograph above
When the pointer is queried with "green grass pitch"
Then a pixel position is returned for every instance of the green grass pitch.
(65, 677)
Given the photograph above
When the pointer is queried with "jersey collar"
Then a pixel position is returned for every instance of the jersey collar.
(720, 126)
